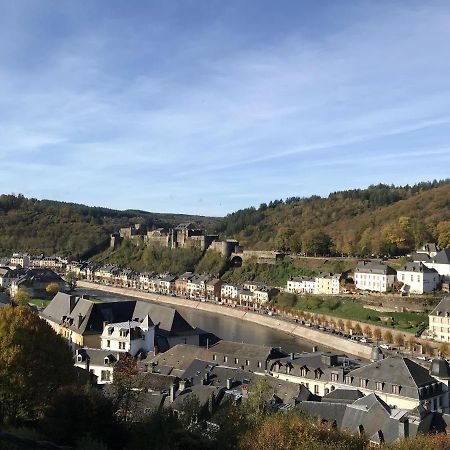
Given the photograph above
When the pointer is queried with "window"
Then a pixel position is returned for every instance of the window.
(214, 357)
(363, 382)
(303, 371)
(334, 377)
(108, 343)
(259, 364)
(348, 379)
(225, 359)
(105, 375)
(236, 360)
(379, 386)
(316, 389)
(247, 362)
(396, 389)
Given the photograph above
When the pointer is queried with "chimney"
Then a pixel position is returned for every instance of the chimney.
(403, 428)
(172, 393)
(72, 303)
(229, 383)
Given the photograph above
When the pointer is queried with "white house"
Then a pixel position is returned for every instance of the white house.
(441, 263)
(229, 291)
(439, 321)
(98, 362)
(417, 278)
(301, 285)
(132, 336)
(19, 259)
(374, 276)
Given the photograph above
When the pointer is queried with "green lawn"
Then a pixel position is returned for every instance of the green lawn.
(354, 310)
(39, 302)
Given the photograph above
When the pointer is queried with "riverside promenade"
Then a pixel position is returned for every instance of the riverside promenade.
(277, 323)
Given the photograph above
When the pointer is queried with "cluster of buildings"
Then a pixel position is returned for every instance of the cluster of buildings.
(428, 271)
(188, 285)
(24, 260)
(184, 235)
(388, 398)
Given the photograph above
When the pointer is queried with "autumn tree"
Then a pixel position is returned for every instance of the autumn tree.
(399, 340)
(34, 361)
(367, 331)
(22, 297)
(71, 280)
(340, 324)
(348, 325)
(445, 350)
(52, 289)
(358, 329)
(387, 337)
(377, 334)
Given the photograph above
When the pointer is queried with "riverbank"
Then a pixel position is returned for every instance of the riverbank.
(316, 336)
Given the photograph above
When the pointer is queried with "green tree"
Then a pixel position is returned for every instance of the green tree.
(316, 242)
(29, 372)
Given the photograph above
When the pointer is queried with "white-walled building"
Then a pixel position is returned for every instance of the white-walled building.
(439, 321)
(132, 336)
(374, 276)
(417, 278)
(19, 259)
(98, 362)
(301, 285)
(441, 263)
(229, 292)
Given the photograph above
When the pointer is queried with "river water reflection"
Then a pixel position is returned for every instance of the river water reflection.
(227, 328)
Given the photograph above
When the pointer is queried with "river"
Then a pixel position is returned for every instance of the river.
(227, 328)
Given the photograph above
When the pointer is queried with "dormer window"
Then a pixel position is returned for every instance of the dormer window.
(379, 386)
(303, 371)
(363, 382)
(106, 360)
(79, 358)
(110, 330)
(396, 389)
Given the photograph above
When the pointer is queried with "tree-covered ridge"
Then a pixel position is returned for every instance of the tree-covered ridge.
(378, 220)
(45, 226)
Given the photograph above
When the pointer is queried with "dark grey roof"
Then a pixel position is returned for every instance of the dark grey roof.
(423, 257)
(82, 315)
(243, 350)
(329, 411)
(416, 267)
(440, 368)
(442, 257)
(442, 308)
(396, 371)
(374, 267)
(347, 395)
(168, 319)
(97, 356)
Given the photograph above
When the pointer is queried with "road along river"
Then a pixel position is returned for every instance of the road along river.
(234, 324)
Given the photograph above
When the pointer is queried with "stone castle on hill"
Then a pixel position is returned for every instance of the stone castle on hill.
(185, 235)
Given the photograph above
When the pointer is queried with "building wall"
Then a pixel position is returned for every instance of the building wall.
(373, 281)
(418, 282)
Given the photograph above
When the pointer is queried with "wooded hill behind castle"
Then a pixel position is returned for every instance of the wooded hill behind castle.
(378, 220)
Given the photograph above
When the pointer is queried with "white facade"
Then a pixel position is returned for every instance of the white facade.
(417, 278)
(301, 286)
(374, 276)
(229, 291)
(18, 259)
(131, 337)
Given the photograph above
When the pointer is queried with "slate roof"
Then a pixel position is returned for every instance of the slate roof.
(417, 267)
(374, 268)
(420, 257)
(244, 350)
(442, 257)
(97, 356)
(167, 318)
(396, 371)
(443, 307)
(82, 315)
(343, 395)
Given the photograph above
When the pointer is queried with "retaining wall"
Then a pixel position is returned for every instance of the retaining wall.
(326, 339)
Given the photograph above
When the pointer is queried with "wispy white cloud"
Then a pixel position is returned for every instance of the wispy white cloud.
(163, 114)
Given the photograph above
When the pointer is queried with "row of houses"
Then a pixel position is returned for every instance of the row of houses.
(424, 274)
(188, 284)
(25, 260)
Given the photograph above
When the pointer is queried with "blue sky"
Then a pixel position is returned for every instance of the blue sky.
(204, 106)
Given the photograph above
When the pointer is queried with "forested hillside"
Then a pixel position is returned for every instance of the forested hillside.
(378, 220)
(50, 227)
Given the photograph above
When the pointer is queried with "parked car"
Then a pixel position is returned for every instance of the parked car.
(422, 358)
(364, 340)
(387, 346)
